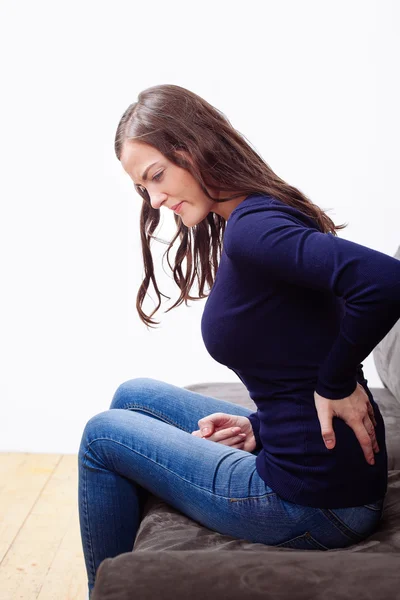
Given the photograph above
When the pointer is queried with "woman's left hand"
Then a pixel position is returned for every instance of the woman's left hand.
(356, 410)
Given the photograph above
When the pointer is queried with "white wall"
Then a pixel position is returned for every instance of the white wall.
(314, 87)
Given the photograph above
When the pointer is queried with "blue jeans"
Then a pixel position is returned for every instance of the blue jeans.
(144, 443)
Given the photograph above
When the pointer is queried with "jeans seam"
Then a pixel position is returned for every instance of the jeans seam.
(134, 406)
(158, 464)
(86, 524)
(251, 497)
(307, 535)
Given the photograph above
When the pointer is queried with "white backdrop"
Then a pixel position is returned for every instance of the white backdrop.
(312, 85)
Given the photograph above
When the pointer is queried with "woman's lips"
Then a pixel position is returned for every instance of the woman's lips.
(178, 207)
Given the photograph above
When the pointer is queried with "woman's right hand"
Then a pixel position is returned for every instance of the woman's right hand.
(225, 429)
(356, 410)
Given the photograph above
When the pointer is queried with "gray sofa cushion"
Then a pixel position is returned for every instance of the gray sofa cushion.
(390, 410)
(387, 357)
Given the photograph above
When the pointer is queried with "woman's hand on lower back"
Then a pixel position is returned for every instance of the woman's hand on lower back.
(225, 429)
(356, 410)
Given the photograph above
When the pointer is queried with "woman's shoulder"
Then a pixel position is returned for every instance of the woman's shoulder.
(266, 210)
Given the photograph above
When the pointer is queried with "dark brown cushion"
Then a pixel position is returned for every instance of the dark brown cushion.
(248, 575)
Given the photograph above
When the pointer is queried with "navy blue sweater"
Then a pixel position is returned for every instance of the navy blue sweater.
(292, 311)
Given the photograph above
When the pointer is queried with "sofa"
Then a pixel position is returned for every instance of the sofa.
(175, 557)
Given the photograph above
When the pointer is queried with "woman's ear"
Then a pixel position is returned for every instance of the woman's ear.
(185, 154)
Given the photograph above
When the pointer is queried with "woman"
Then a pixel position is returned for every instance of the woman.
(293, 310)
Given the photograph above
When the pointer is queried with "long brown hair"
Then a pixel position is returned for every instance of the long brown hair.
(171, 118)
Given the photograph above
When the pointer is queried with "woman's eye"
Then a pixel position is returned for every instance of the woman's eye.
(157, 177)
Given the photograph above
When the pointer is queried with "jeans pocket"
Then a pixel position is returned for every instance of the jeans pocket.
(356, 523)
(303, 542)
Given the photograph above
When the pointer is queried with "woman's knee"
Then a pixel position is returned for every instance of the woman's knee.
(130, 392)
(97, 427)
(106, 425)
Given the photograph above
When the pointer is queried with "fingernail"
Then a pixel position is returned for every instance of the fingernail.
(372, 462)
(205, 430)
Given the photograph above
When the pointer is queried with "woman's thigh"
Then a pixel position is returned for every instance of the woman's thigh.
(146, 437)
(174, 405)
(206, 481)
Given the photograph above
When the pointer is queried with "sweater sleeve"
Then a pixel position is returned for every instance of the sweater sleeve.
(255, 423)
(280, 246)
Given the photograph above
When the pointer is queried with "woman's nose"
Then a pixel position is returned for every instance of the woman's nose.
(156, 200)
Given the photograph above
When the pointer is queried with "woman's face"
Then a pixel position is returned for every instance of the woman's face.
(168, 185)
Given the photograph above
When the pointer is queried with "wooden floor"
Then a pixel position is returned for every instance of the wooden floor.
(40, 547)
